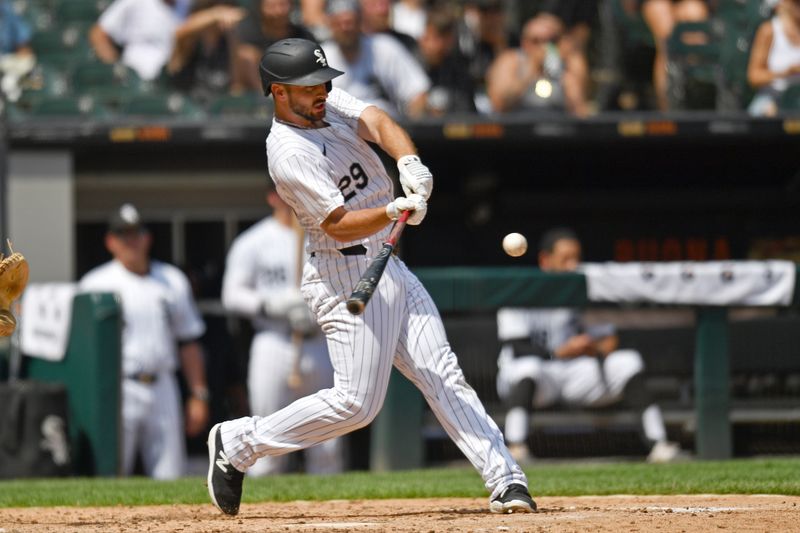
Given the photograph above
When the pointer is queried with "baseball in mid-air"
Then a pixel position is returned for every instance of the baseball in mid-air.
(515, 244)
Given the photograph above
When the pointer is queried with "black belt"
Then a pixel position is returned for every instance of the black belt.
(143, 377)
(358, 249)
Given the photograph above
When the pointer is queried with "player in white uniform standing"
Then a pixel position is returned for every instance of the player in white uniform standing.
(161, 324)
(344, 200)
(261, 283)
(549, 357)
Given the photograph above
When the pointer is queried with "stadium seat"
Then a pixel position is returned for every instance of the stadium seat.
(790, 99)
(248, 105)
(161, 105)
(628, 50)
(693, 66)
(45, 80)
(81, 11)
(68, 106)
(37, 13)
(633, 29)
(112, 84)
(63, 47)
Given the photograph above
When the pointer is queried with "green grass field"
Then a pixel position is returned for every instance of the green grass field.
(757, 476)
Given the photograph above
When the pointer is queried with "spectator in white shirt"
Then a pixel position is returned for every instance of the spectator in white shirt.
(139, 33)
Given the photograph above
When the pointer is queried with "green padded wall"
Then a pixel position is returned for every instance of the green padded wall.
(91, 372)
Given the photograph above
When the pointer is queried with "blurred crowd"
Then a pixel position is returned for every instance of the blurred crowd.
(414, 58)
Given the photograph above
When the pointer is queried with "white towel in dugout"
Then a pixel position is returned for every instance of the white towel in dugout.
(694, 283)
(45, 318)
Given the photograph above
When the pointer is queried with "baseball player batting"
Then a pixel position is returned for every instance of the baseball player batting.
(325, 170)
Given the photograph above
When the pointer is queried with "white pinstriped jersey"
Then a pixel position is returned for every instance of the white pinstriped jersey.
(261, 263)
(158, 310)
(318, 170)
(548, 328)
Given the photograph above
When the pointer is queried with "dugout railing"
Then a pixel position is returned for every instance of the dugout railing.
(398, 431)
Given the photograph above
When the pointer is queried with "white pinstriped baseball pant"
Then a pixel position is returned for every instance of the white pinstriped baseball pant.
(399, 326)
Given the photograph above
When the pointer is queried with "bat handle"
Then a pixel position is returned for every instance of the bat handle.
(356, 307)
(397, 229)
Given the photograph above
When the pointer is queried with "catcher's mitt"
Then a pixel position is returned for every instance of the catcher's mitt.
(13, 278)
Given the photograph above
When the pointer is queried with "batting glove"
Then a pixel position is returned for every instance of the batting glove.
(415, 177)
(301, 320)
(279, 304)
(414, 203)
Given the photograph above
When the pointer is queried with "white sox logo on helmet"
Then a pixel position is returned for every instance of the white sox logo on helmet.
(320, 58)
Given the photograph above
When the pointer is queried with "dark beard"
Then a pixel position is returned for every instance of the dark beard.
(305, 113)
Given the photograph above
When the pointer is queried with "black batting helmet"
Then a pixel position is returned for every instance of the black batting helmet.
(295, 62)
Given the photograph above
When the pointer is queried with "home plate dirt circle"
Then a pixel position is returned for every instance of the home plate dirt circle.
(689, 513)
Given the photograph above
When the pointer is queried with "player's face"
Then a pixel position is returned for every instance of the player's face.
(129, 246)
(565, 257)
(307, 103)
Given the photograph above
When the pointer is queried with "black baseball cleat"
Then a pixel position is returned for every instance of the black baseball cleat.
(514, 499)
(224, 481)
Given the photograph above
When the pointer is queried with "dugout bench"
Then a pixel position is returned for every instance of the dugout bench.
(398, 431)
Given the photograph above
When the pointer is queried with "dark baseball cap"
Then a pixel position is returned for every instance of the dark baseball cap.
(125, 219)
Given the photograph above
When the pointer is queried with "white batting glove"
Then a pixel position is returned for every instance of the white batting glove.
(414, 203)
(415, 177)
(278, 305)
(301, 320)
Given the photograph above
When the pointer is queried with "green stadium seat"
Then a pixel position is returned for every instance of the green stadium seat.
(68, 106)
(161, 105)
(37, 13)
(46, 80)
(93, 74)
(82, 11)
(633, 29)
(790, 99)
(112, 84)
(239, 106)
(63, 47)
(693, 71)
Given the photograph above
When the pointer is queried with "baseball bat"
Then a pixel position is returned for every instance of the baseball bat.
(369, 281)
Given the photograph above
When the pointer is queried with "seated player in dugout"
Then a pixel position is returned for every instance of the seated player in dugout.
(550, 357)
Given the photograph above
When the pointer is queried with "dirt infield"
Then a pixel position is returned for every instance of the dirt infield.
(589, 513)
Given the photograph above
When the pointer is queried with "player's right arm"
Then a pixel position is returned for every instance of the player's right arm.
(238, 283)
(345, 226)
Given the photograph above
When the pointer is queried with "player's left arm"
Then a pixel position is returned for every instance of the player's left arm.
(584, 344)
(188, 327)
(375, 125)
(194, 371)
